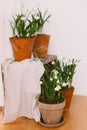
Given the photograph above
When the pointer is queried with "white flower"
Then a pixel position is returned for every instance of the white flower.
(70, 73)
(69, 63)
(36, 16)
(55, 77)
(55, 72)
(40, 82)
(65, 61)
(64, 84)
(57, 88)
(58, 81)
(23, 18)
(51, 79)
(68, 83)
(53, 62)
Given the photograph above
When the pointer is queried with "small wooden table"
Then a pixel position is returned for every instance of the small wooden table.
(48, 59)
(76, 118)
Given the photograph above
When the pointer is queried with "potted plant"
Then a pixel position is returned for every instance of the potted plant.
(51, 102)
(23, 30)
(41, 40)
(66, 69)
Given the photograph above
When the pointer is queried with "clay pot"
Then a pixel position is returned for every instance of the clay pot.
(40, 48)
(22, 47)
(51, 113)
(67, 94)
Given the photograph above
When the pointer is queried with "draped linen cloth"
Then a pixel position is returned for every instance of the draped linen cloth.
(21, 85)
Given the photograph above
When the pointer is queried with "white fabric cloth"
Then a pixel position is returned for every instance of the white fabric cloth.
(1, 89)
(22, 85)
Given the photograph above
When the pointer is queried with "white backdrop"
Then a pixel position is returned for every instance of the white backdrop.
(7, 9)
(67, 27)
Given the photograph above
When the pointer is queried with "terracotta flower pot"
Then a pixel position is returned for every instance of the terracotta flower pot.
(51, 113)
(22, 47)
(41, 45)
(68, 96)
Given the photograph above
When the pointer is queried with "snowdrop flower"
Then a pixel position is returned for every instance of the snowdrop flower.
(58, 81)
(64, 60)
(53, 62)
(55, 77)
(69, 63)
(36, 16)
(23, 18)
(40, 82)
(64, 84)
(55, 72)
(51, 79)
(57, 88)
(70, 73)
(68, 83)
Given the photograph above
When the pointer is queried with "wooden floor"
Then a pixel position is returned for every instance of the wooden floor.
(76, 119)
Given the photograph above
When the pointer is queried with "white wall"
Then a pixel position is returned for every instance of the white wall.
(7, 9)
(68, 30)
